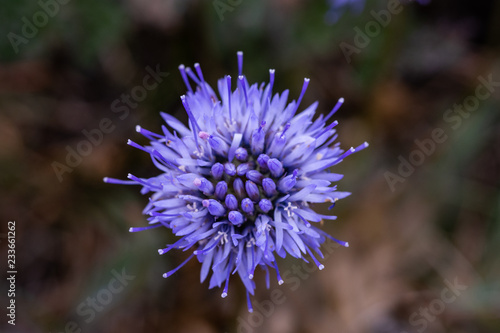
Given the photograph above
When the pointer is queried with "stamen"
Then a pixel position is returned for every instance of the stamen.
(287, 126)
(239, 54)
(156, 154)
(118, 181)
(289, 209)
(165, 215)
(190, 114)
(306, 222)
(192, 207)
(333, 204)
(271, 82)
(137, 179)
(213, 245)
(344, 155)
(332, 125)
(345, 244)
(166, 275)
(269, 94)
(251, 243)
(145, 228)
(249, 303)
(194, 124)
(320, 265)
(335, 108)
(228, 82)
(304, 88)
(340, 158)
(192, 76)
(280, 280)
(189, 197)
(242, 85)
(223, 237)
(229, 265)
(361, 147)
(262, 125)
(135, 145)
(198, 71)
(172, 246)
(182, 69)
(148, 134)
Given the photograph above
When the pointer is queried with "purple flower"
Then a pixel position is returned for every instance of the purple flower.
(338, 7)
(236, 185)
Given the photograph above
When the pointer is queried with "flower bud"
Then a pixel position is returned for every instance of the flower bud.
(204, 185)
(288, 182)
(217, 170)
(252, 190)
(265, 205)
(241, 154)
(242, 169)
(262, 162)
(239, 188)
(215, 208)
(258, 139)
(275, 167)
(230, 169)
(269, 187)
(255, 176)
(236, 217)
(247, 205)
(221, 190)
(218, 145)
(231, 202)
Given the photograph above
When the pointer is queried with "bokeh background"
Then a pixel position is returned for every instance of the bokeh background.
(438, 225)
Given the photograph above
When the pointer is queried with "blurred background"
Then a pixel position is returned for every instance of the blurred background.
(423, 221)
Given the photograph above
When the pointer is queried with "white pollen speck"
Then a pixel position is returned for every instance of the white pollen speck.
(319, 156)
(289, 209)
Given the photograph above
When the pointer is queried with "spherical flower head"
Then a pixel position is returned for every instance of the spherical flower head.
(236, 184)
